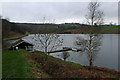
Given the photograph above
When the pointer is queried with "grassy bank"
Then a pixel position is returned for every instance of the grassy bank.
(58, 68)
(23, 64)
(108, 29)
(97, 30)
(15, 65)
(14, 35)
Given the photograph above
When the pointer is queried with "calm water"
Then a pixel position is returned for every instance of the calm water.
(107, 55)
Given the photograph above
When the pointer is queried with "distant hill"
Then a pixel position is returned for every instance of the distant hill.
(22, 28)
(11, 28)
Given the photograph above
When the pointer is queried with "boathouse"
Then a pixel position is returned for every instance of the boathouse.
(21, 44)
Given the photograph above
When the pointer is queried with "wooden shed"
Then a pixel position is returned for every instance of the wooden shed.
(21, 44)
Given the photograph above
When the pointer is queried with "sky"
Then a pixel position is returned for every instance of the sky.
(55, 12)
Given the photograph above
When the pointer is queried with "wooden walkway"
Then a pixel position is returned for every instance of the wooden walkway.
(66, 49)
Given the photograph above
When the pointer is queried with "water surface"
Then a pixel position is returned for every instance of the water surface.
(107, 55)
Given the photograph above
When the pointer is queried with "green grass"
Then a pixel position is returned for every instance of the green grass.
(100, 30)
(14, 37)
(110, 29)
(15, 65)
(105, 30)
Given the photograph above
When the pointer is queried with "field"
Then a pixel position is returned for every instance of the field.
(23, 64)
(97, 30)
(14, 35)
(15, 65)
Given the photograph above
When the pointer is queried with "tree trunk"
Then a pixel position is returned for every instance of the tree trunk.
(46, 53)
(90, 59)
(46, 50)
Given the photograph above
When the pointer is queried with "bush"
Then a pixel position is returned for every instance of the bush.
(60, 69)
(104, 69)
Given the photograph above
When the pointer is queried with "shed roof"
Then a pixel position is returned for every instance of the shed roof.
(19, 42)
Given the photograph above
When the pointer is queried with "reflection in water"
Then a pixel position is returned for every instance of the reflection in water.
(90, 46)
(65, 55)
(107, 56)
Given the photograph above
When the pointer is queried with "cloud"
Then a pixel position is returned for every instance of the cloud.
(60, 11)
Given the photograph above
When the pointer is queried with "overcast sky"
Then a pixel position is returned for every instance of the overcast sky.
(58, 12)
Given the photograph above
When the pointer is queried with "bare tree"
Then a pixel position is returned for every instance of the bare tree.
(65, 55)
(48, 42)
(94, 15)
(111, 23)
(53, 21)
(91, 46)
(44, 20)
